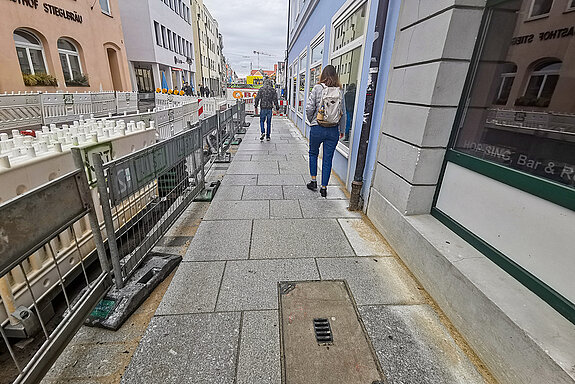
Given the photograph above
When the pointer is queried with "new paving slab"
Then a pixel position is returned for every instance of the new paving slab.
(218, 321)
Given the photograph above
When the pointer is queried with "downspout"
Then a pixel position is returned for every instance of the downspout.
(357, 183)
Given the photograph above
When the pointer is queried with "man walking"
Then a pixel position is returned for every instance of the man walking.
(269, 99)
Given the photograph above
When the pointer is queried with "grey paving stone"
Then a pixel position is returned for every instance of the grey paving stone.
(237, 210)
(294, 238)
(293, 167)
(364, 239)
(195, 348)
(257, 146)
(240, 180)
(414, 347)
(220, 240)
(273, 157)
(229, 192)
(262, 151)
(301, 192)
(86, 361)
(280, 180)
(327, 208)
(253, 168)
(242, 157)
(285, 209)
(252, 284)
(263, 192)
(193, 289)
(373, 280)
(259, 360)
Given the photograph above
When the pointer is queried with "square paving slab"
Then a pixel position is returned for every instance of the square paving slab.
(229, 192)
(414, 347)
(196, 348)
(240, 180)
(220, 240)
(301, 192)
(295, 238)
(280, 180)
(262, 192)
(237, 210)
(327, 208)
(193, 289)
(285, 209)
(259, 360)
(253, 168)
(373, 280)
(252, 284)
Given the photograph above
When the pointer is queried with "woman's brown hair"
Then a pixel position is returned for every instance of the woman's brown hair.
(329, 77)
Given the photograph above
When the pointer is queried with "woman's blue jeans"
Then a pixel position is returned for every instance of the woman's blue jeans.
(329, 136)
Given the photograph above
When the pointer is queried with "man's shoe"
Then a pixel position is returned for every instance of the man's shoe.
(323, 192)
(312, 185)
(268, 138)
(262, 137)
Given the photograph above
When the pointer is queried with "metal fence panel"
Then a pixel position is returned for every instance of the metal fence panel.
(56, 204)
(126, 102)
(103, 103)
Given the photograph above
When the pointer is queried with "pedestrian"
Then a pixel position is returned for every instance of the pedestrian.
(325, 110)
(202, 90)
(267, 98)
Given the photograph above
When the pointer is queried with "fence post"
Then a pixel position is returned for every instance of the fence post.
(108, 221)
(92, 218)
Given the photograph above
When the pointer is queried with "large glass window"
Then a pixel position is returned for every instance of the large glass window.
(144, 79)
(350, 29)
(523, 119)
(70, 61)
(30, 52)
(317, 52)
(314, 74)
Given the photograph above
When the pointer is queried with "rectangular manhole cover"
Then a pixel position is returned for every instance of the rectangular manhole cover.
(322, 338)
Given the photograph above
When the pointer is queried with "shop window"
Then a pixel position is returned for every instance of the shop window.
(293, 89)
(541, 7)
(507, 79)
(30, 53)
(70, 61)
(105, 6)
(534, 134)
(347, 67)
(144, 79)
(314, 74)
(317, 52)
(350, 29)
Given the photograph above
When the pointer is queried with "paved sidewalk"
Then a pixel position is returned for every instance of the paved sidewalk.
(218, 321)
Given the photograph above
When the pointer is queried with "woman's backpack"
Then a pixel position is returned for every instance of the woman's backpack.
(330, 108)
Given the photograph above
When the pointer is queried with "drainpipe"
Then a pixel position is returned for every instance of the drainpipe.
(357, 183)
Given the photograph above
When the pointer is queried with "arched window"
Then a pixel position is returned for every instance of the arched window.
(543, 81)
(30, 52)
(69, 59)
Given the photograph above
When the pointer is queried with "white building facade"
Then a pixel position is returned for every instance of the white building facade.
(159, 42)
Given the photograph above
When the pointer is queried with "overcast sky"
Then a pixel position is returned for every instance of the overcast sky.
(248, 26)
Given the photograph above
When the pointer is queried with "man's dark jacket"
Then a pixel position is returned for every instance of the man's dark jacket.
(268, 98)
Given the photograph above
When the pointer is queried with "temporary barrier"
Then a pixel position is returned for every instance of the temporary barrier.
(126, 102)
(62, 208)
(20, 111)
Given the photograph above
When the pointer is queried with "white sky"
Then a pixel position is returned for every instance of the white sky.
(251, 25)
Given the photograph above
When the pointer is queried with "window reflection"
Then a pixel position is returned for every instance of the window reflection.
(521, 110)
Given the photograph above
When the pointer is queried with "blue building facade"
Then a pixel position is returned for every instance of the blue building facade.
(340, 33)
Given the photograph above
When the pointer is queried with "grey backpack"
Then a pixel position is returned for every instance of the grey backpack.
(330, 109)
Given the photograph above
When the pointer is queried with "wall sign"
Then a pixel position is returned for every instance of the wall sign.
(543, 36)
(52, 9)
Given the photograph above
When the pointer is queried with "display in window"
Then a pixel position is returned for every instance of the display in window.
(301, 93)
(314, 75)
(520, 111)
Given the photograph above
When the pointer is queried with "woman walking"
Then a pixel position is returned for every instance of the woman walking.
(325, 110)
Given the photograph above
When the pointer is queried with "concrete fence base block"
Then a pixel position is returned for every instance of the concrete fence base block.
(518, 336)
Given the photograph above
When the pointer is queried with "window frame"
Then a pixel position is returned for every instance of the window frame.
(301, 71)
(107, 12)
(545, 74)
(68, 54)
(27, 47)
(543, 15)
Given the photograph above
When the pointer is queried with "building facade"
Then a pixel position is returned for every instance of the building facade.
(62, 46)
(159, 42)
(209, 48)
(470, 162)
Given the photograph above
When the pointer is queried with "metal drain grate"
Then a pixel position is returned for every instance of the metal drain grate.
(322, 331)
